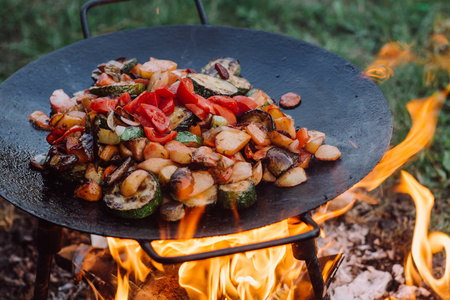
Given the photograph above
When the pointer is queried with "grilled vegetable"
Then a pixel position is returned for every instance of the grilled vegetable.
(181, 119)
(217, 121)
(237, 195)
(291, 177)
(232, 65)
(189, 139)
(206, 198)
(116, 90)
(172, 211)
(242, 84)
(208, 86)
(130, 133)
(128, 65)
(260, 117)
(279, 160)
(229, 142)
(181, 184)
(327, 152)
(141, 204)
(316, 138)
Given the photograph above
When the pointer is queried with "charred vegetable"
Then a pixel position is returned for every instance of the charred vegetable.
(181, 184)
(237, 195)
(260, 117)
(279, 160)
(115, 90)
(141, 204)
(232, 65)
(172, 211)
(189, 139)
(208, 86)
(181, 119)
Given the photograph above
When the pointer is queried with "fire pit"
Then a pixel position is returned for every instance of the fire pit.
(339, 100)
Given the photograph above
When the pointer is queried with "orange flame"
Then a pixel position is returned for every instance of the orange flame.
(424, 114)
(424, 245)
(390, 55)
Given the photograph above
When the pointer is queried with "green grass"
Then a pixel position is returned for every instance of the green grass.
(354, 29)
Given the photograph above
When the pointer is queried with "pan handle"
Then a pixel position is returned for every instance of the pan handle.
(92, 3)
(306, 218)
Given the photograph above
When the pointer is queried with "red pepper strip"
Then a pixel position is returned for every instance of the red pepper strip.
(167, 105)
(165, 93)
(55, 134)
(124, 99)
(104, 105)
(244, 104)
(225, 101)
(155, 136)
(71, 130)
(145, 97)
(226, 113)
(205, 104)
(185, 92)
(197, 110)
(159, 120)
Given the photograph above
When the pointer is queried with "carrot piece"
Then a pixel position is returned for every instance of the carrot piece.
(109, 169)
(196, 130)
(258, 136)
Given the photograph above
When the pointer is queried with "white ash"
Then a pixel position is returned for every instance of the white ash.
(356, 278)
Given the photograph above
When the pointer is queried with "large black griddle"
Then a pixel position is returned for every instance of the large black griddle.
(338, 99)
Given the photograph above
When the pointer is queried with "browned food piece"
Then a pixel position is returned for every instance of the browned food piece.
(290, 100)
(90, 191)
(41, 120)
(172, 211)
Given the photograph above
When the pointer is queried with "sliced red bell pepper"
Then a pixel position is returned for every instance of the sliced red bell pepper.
(155, 136)
(226, 113)
(165, 92)
(197, 110)
(185, 92)
(104, 105)
(244, 104)
(158, 118)
(145, 97)
(167, 105)
(53, 139)
(124, 99)
(225, 101)
(205, 104)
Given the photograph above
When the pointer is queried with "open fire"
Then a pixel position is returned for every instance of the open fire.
(274, 273)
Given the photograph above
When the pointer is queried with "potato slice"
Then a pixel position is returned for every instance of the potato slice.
(291, 177)
(203, 180)
(155, 165)
(327, 153)
(230, 142)
(316, 139)
(178, 152)
(241, 171)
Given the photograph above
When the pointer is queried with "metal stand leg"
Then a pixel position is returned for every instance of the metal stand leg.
(49, 242)
(307, 250)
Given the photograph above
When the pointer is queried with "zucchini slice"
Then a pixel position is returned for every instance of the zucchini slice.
(231, 64)
(237, 195)
(242, 84)
(115, 90)
(140, 205)
(207, 86)
(181, 119)
(189, 139)
(128, 65)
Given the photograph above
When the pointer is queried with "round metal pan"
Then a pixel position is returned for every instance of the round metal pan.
(337, 100)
